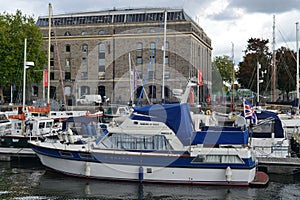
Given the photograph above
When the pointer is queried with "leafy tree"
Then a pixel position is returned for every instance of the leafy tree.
(224, 65)
(286, 70)
(256, 52)
(14, 28)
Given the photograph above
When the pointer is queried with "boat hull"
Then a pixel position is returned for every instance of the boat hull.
(113, 168)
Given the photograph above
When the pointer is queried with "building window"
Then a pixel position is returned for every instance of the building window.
(51, 75)
(67, 62)
(152, 91)
(84, 61)
(84, 90)
(152, 46)
(101, 91)
(139, 46)
(84, 48)
(83, 33)
(52, 62)
(167, 92)
(101, 58)
(52, 48)
(84, 75)
(67, 90)
(68, 48)
(139, 60)
(101, 32)
(67, 75)
(166, 59)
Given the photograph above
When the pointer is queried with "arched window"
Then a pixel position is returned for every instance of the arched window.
(101, 32)
(84, 48)
(67, 33)
(83, 33)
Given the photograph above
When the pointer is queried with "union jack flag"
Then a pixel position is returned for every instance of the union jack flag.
(249, 112)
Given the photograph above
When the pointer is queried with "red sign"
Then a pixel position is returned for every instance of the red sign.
(200, 81)
(45, 78)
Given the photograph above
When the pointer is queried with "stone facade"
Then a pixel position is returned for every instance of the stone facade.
(96, 58)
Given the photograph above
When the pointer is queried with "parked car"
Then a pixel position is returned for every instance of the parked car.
(89, 99)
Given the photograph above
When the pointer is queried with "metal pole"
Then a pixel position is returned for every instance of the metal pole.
(49, 46)
(24, 75)
(257, 98)
(164, 58)
(297, 79)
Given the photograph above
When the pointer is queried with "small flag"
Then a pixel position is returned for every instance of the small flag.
(249, 112)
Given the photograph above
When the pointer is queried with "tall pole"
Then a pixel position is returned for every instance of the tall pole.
(257, 80)
(232, 92)
(49, 46)
(164, 58)
(274, 63)
(24, 75)
(297, 79)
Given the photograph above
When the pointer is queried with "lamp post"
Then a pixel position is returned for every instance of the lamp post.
(26, 66)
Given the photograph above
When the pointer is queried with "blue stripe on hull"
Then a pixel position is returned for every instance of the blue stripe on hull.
(149, 160)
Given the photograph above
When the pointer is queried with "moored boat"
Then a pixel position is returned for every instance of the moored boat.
(173, 154)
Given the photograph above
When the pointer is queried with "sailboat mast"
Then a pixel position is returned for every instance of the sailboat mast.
(274, 62)
(297, 79)
(164, 58)
(49, 48)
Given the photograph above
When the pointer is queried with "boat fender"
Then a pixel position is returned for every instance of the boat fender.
(141, 173)
(208, 112)
(228, 174)
(87, 169)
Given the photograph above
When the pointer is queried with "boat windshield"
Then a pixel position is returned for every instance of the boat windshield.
(135, 142)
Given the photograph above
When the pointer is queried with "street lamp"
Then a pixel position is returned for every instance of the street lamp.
(27, 64)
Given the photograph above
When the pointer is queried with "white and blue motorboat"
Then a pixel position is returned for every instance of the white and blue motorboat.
(157, 144)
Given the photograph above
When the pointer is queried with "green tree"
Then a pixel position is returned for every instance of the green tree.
(224, 65)
(257, 52)
(286, 70)
(14, 28)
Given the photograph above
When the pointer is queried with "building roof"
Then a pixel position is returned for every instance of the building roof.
(116, 16)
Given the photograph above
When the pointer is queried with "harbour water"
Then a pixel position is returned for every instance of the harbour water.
(28, 179)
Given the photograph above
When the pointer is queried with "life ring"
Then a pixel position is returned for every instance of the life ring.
(208, 112)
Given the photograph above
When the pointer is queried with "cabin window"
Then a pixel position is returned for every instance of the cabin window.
(136, 142)
(86, 156)
(65, 154)
(218, 159)
(41, 125)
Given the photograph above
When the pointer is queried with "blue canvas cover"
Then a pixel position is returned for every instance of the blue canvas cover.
(177, 117)
(215, 135)
(278, 129)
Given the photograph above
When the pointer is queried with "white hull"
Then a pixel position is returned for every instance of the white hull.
(149, 173)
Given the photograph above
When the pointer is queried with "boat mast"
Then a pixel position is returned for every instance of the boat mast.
(232, 84)
(274, 62)
(297, 79)
(130, 79)
(49, 46)
(164, 58)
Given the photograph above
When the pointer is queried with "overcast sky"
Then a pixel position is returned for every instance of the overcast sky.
(226, 22)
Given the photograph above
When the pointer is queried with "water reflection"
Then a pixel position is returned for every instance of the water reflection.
(29, 180)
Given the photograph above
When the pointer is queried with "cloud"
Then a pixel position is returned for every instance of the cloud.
(265, 6)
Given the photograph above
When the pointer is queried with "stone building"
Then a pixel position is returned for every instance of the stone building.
(119, 53)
